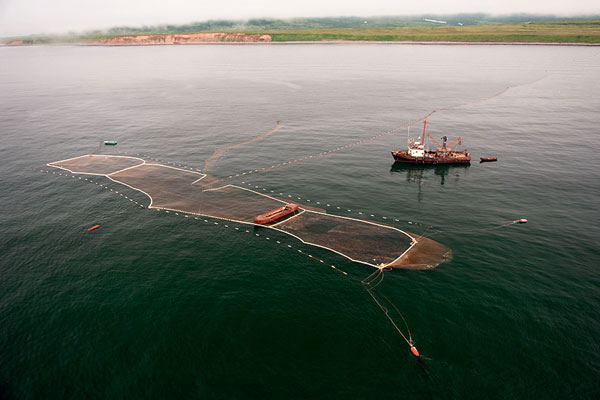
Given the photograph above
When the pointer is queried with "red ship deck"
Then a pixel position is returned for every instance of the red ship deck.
(432, 158)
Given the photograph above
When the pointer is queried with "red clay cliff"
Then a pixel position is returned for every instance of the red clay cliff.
(183, 39)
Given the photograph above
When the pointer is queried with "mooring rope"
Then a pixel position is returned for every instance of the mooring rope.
(470, 230)
(370, 288)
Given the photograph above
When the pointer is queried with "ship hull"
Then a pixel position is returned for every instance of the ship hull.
(431, 159)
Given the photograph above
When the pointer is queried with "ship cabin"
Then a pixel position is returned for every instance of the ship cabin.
(416, 149)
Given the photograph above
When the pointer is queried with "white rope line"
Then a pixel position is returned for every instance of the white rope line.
(128, 168)
(199, 179)
(187, 171)
(182, 166)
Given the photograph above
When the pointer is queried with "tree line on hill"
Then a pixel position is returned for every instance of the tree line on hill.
(269, 24)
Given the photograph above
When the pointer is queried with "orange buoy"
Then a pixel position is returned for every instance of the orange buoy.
(414, 351)
(93, 227)
(522, 221)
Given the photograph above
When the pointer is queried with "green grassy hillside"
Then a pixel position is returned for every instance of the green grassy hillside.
(583, 31)
(552, 31)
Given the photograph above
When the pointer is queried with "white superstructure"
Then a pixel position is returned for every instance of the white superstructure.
(416, 149)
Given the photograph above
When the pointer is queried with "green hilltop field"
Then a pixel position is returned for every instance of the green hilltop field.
(582, 31)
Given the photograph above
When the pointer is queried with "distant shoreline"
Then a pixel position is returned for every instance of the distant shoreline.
(532, 33)
(316, 42)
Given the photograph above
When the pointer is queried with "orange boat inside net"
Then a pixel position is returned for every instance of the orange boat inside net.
(186, 191)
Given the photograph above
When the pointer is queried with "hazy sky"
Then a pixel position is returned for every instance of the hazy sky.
(18, 17)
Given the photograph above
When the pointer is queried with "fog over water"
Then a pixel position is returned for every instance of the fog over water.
(20, 17)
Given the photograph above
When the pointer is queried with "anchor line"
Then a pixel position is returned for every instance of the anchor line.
(373, 288)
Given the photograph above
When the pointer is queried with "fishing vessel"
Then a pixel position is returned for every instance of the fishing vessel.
(443, 154)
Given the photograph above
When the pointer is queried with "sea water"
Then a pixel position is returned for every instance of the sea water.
(157, 305)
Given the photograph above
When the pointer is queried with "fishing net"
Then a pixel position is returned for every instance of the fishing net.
(195, 193)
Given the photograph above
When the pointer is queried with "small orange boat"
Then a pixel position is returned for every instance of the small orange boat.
(488, 159)
(276, 214)
(93, 227)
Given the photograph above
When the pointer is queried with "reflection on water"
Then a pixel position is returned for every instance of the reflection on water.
(417, 173)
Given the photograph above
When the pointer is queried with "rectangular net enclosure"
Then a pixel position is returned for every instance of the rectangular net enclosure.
(186, 191)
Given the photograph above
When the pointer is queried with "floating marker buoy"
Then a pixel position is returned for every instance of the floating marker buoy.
(93, 227)
(414, 351)
(522, 221)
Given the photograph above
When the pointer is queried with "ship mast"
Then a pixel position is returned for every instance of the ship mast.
(423, 141)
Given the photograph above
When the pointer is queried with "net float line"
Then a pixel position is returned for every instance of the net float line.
(171, 163)
(243, 142)
(102, 185)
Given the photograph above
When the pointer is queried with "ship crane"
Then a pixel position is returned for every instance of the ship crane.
(429, 134)
(458, 138)
(444, 146)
